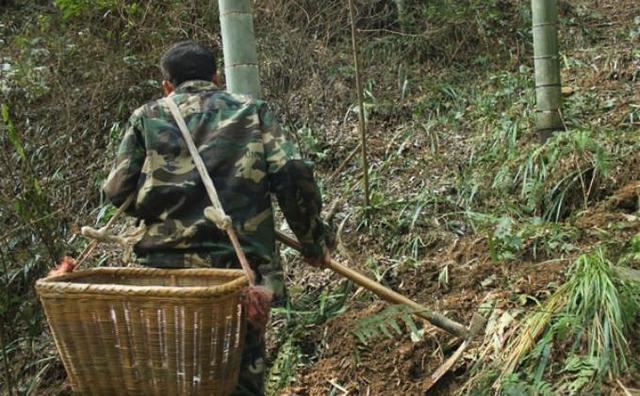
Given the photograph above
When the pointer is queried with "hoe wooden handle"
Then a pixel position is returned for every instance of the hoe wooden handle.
(385, 293)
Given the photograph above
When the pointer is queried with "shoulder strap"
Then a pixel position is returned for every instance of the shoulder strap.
(217, 213)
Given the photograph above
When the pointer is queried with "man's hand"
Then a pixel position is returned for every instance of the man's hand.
(67, 264)
(322, 261)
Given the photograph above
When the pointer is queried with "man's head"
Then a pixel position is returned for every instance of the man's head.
(186, 61)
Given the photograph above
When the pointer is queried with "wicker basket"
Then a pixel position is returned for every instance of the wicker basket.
(145, 331)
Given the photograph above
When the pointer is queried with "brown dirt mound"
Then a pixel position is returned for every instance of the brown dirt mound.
(620, 208)
(400, 365)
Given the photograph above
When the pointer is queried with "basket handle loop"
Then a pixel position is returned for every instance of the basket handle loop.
(215, 213)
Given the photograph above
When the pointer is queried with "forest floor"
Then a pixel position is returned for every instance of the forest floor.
(402, 365)
(469, 212)
(456, 271)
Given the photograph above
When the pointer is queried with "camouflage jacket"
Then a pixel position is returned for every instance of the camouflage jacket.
(248, 156)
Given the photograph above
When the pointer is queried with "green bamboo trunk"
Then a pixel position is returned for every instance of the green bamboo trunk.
(547, 67)
(403, 18)
(239, 47)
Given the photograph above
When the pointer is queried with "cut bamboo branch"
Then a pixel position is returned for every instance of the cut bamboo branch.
(547, 67)
(478, 322)
(239, 47)
(344, 163)
(363, 126)
(91, 246)
(385, 293)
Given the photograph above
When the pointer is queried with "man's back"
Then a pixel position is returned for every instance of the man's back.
(247, 156)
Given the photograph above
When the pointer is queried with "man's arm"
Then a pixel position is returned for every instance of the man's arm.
(292, 181)
(123, 178)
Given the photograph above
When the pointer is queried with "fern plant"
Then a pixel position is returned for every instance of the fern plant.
(388, 322)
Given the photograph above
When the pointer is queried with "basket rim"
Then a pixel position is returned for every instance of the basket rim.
(63, 284)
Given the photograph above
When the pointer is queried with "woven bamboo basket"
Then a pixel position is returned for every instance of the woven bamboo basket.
(146, 331)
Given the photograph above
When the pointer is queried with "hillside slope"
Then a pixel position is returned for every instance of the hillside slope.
(468, 209)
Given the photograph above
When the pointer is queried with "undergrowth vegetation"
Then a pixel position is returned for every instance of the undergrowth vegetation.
(574, 341)
(455, 162)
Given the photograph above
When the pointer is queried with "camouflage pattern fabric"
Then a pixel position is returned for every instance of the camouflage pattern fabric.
(248, 156)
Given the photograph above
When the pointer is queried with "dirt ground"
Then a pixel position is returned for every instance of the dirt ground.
(399, 365)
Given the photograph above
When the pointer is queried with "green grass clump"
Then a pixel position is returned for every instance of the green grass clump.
(578, 338)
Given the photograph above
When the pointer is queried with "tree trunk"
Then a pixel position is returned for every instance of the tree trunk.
(547, 67)
(239, 47)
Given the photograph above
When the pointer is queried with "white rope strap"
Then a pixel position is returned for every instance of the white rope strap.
(215, 212)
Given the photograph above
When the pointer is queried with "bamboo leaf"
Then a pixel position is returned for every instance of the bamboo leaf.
(12, 134)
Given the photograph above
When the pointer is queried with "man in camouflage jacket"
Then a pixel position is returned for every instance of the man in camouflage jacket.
(248, 156)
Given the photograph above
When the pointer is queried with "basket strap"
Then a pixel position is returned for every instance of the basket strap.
(216, 213)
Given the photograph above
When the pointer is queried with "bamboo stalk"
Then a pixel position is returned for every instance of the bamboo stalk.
(547, 67)
(5, 358)
(385, 293)
(239, 47)
(363, 126)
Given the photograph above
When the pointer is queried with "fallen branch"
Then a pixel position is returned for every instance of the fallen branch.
(344, 391)
(344, 163)
(340, 244)
(333, 209)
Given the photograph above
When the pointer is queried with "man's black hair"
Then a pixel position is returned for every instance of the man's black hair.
(186, 61)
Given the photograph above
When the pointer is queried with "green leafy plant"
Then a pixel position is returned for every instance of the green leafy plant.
(570, 163)
(585, 324)
(31, 204)
(388, 322)
(283, 366)
(530, 236)
(505, 244)
(309, 309)
(312, 143)
(548, 180)
(72, 8)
